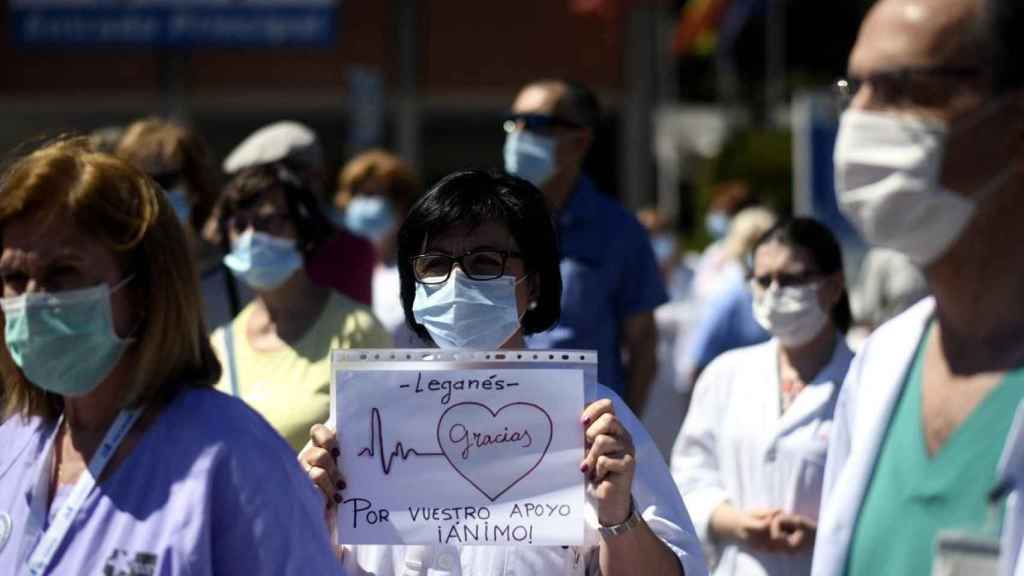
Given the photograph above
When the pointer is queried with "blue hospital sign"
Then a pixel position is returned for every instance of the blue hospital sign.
(173, 23)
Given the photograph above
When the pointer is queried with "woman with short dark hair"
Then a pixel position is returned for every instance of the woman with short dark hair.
(468, 205)
(276, 352)
(478, 260)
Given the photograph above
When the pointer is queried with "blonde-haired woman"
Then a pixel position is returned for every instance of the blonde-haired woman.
(723, 321)
(117, 455)
(375, 191)
(176, 157)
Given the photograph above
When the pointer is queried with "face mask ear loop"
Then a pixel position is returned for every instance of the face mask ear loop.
(130, 338)
(121, 284)
(530, 305)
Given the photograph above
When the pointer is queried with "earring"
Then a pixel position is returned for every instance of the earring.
(532, 305)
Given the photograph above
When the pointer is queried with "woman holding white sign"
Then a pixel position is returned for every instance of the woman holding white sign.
(750, 458)
(484, 244)
(117, 456)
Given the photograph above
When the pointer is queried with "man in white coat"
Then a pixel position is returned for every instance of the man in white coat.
(928, 162)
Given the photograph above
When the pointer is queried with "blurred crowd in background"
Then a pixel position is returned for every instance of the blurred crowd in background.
(756, 251)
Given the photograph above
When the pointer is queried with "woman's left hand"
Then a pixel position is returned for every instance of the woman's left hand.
(793, 532)
(610, 462)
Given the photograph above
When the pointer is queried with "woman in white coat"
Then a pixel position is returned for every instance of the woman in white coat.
(750, 457)
(478, 264)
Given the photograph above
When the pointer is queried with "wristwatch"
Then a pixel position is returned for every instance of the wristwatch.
(631, 521)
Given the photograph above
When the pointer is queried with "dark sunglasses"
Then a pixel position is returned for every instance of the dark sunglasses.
(537, 122)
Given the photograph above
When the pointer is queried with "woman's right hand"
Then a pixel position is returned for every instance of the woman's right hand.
(751, 527)
(319, 460)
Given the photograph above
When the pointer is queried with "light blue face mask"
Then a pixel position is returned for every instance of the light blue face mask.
(262, 261)
(178, 200)
(664, 246)
(530, 156)
(467, 313)
(369, 216)
(64, 342)
(717, 224)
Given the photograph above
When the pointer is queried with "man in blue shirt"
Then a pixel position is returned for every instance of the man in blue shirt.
(610, 278)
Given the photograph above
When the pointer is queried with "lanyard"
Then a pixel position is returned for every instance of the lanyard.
(229, 351)
(45, 550)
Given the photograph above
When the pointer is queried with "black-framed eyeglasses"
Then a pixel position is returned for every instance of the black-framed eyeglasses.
(902, 85)
(537, 122)
(785, 279)
(435, 268)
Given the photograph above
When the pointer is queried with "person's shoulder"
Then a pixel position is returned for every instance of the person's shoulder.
(17, 424)
(725, 368)
(237, 324)
(744, 356)
(913, 320)
(235, 442)
(351, 313)
(17, 432)
(220, 421)
(614, 213)
(344, 304)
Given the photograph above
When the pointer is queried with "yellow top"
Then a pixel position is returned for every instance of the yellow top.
(291, 387)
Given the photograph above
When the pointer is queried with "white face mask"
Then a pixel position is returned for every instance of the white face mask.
(791, 314)
(888, 169)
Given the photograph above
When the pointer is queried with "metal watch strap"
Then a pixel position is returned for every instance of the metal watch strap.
(631, 521)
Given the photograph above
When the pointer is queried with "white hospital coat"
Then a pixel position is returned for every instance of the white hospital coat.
(1011, 470)
(736, 445)
(653, 490)
(865, 407)
(862, 417)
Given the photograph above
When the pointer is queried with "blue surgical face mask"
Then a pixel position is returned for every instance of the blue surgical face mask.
(467, 313)
(369, 216)
(717, 224)
(178, 200)
(262, 261)
(64, 342)
(530, 156)
(664, 246)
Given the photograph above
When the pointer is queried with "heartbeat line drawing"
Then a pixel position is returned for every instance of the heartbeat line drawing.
(493, 450)
(376, 447)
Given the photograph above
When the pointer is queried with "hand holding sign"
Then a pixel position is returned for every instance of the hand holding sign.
(318, 460)
(610, 462)
(455, 454)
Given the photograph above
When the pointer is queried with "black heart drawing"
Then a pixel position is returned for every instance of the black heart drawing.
(473, 438)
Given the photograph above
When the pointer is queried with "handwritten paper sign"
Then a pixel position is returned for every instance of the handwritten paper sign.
(484, 449)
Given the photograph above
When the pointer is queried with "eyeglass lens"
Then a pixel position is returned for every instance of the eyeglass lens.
(435, 268)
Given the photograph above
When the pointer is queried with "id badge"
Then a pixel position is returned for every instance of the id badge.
(965, 553)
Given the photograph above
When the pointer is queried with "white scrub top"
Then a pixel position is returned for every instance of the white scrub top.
(737, 445)
(653, 490)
